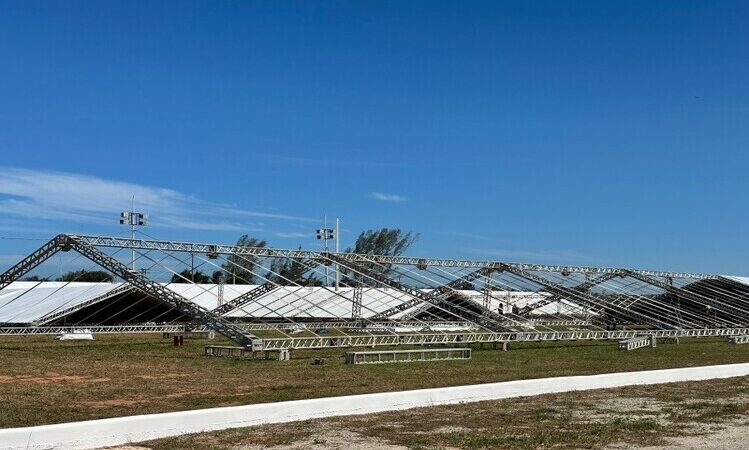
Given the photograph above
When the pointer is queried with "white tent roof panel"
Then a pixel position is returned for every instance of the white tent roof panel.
(27, 301)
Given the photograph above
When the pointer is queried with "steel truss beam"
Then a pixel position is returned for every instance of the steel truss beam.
(442, 293)
(159, 292)
(688, 295)
(254, 294)
(218, 249)
(146, 328)
(721, 286)
(442, 297)
(478, 337)
(357, 301)
(245, 298)
(97, 329)
(488, 320)
(149, 328)
(580, 288)
(732, 282)
(37, 257)
(54, 315)
(584, 299)
(372, 340)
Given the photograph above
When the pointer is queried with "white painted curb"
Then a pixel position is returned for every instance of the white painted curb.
(122, 430)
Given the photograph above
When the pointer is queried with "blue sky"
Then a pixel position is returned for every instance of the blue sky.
(599, 133)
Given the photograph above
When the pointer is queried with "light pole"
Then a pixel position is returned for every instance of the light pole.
(133, 219)
(337, 268)
(329, 233)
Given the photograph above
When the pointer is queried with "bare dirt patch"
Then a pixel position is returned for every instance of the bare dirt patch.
(163, 376)
(51, 377)
(729, 437)
(114, 402)
(129, 447)
(331, 438)
(695, 415)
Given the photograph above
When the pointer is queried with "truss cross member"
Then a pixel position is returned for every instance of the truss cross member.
(682, 293)
(159, 292)
(245, 298)
(356, 304)
(584, 287)
(487, 320)
(583, 299)
(218, 249)
(58, 314)
(440, 293)
(37, 257)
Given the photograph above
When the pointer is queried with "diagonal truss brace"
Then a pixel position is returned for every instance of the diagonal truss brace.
(489, 320)
(137, 280)
(583, 287)
(119, 290)
(441, 293)
(580, 297)
(37, 257)
(216, 249)
(245, 298)
(255, 294)
(735, 284)
(691, 296)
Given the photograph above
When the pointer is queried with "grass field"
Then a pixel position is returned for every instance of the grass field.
(45, 381)
(701, 414)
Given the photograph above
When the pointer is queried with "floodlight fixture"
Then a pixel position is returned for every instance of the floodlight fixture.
(133, 219)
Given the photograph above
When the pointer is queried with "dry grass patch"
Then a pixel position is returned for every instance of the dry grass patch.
(618, 418)
(46, 381)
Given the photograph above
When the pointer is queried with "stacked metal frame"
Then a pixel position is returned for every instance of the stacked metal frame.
(383, 300)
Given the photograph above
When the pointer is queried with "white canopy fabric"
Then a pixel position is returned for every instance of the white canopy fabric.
(28, 301)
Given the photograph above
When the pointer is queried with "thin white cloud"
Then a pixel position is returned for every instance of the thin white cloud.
(395, 198)
(244, 213)
(293, 235)
(76, 198)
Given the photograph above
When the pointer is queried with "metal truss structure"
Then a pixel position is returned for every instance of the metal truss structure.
(58, 314)
(218, 249)
(383, 300)
(439, 295)
(245, 298)
(584, 287)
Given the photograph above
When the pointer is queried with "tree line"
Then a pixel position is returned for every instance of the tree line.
(245, 269)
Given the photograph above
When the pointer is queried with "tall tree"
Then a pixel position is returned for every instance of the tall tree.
(188, 276)
(241, 269)
(218, 276)
(94, 276)
(291, 272)
(34, 278)
(385, 241)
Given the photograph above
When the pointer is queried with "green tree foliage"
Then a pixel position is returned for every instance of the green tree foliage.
(218, 277)
(385, 241)
(187, 276)
(94, 276)
(464, 286)
(291, 272)
(34, 278)
(241, 269)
